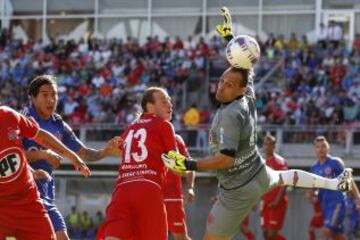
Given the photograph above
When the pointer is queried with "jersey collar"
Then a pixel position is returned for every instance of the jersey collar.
(227, 103)
(148, 115)
(36, 116)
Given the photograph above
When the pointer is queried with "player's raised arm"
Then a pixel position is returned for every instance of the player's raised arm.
(49, 141)
(243, 52)
(225, 30)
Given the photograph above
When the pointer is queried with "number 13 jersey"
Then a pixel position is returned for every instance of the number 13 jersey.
(144, 142)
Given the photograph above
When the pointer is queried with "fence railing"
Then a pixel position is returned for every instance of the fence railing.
(292, 141)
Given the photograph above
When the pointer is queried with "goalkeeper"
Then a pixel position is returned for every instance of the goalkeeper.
(243, 177)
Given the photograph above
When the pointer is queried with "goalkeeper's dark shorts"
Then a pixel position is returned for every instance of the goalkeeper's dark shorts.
(175, 216)
(136, 211)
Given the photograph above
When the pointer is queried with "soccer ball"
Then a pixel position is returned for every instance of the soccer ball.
(243, 51)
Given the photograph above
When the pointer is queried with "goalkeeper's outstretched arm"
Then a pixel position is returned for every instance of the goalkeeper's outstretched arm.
(225, 30)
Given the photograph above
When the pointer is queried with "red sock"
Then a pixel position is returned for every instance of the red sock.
(312, 235)
(249, 235)
(280, 237)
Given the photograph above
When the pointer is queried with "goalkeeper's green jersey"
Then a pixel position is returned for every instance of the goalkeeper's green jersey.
(234, 130)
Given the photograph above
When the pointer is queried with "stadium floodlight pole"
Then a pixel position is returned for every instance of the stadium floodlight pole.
(260, 17)
(149, 17)
(44, 23)
(204, 11)
(96, 19)
(318, 6)
(2, 9)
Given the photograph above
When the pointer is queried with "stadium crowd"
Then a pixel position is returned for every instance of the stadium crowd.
(321, 82)
(100, 80)
(83, 226)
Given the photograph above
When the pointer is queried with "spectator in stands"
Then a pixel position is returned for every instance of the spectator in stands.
(328, 61)
(202, 139)
(322, 36)
(70, 104)
(73, 223)
(85, 224)
(277, 115)
(335, 33)
(179, 44)
(270, 42)
(280, 42)
(303, 43)
(350, 111)
(99, 219)
(191, 120)
(121, 69)
(192, 117)
(293, 43)
(190, 43)
(356, 43)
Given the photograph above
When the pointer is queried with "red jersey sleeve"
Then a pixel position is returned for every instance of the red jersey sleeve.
(28, 126)
(182, 147)
(168, 136)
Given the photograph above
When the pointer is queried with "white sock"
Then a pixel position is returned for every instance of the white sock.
(299, 178)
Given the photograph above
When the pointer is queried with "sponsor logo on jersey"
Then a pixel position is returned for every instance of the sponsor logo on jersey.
(328, 170)
(10, 164)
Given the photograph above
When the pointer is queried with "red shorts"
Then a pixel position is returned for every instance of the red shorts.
(136, 211)
(26, 221)
(273, 218)
(176, 216)
(245, 222)
(317, 221)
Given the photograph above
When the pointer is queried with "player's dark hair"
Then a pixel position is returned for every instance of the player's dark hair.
(37, 82)
(148, 97)
(321, 139)
(245, 73)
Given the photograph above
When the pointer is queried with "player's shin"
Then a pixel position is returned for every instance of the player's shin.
(302, 179)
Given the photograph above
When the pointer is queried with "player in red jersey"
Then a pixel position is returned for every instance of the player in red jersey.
(317, 219)
(22, 214)
(173, 197)
(274, 203)
(137, 209)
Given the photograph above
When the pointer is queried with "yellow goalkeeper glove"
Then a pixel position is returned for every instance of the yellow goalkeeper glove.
(177, 162)
(225, 29)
